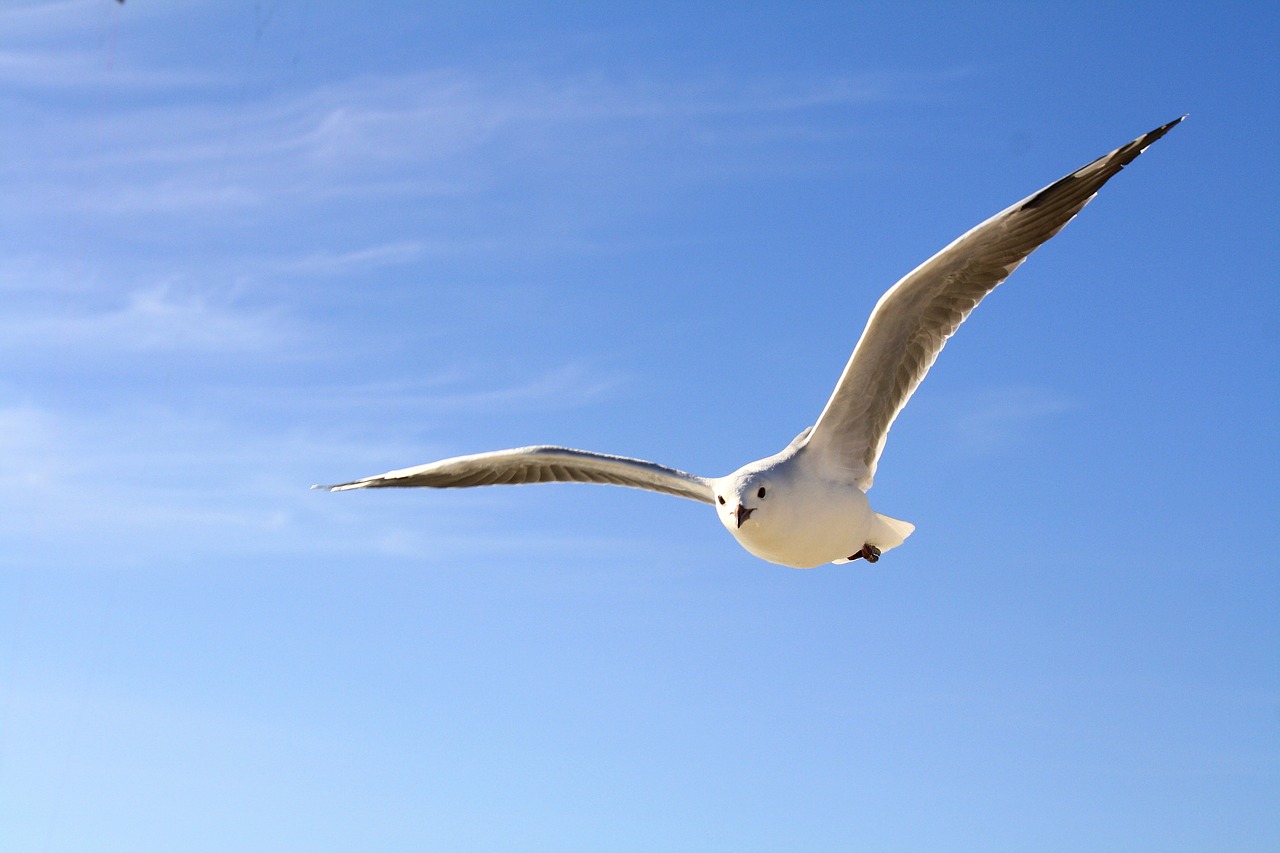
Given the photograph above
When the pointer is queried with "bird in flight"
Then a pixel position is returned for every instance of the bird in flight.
(807, 504)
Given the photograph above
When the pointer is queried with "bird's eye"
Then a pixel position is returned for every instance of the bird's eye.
(721, 499)
(760, 493)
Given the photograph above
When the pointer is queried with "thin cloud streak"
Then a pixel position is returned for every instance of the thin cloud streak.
(329, 262)
(160, 319)
(563, 388)
(455, 131)
(998, 417)
(131, 486)
(51, 17)
(458, 391)
(44, 70)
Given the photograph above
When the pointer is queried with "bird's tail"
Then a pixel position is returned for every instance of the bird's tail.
(890, 532)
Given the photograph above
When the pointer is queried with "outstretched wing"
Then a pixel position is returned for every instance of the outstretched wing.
(540, 464)
(912, 321)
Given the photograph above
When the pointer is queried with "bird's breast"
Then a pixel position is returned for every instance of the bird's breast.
(808, 526)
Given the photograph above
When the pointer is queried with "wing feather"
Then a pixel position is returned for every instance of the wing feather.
(913, 320)
(540, 464)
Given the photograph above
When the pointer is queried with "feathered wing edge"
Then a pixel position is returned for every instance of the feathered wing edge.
(913, 320)
(539, 464)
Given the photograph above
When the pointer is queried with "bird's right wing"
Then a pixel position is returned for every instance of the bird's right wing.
(541, 464)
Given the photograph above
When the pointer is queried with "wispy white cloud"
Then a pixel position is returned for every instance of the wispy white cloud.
(138, 475)
(440, 132)
(72, 45)
(336, 262)
(459, 390)
(133, 485)
(28, 459)
(159, 319)
(44, 17)
(565, 387)
(29, 273)
(995, 418)
(328, 262)
(44, 70)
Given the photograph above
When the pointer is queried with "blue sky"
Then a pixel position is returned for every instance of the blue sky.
(254, 246)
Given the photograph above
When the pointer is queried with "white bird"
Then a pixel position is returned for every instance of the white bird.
(807, 505)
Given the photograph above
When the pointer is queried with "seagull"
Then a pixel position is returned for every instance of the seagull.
(807, 504)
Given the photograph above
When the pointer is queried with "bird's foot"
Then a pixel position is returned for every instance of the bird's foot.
(870, 553)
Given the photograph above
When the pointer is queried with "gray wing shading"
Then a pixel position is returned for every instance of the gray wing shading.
(540, 464)
(912, 321)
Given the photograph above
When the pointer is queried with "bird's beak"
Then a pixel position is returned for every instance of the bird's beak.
(744, 513)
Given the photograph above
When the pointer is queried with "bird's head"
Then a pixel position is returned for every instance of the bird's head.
(742, 498)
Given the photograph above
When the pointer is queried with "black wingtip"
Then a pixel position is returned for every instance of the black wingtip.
(1162, 130)
(1115, 161)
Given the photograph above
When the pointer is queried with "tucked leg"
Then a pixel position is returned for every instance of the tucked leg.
(870, 553)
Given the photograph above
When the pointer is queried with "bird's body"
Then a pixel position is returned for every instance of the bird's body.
(807, 505)
(797, 514)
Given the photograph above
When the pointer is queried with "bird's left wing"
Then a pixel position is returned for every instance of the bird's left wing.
(912, 321)
(540, 464)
